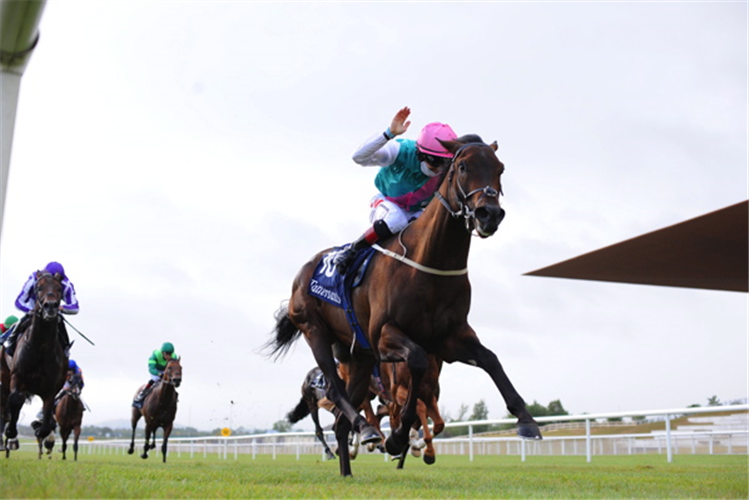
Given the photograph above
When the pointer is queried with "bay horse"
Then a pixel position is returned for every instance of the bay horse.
(37, 367)
(69, 415)
(159, 409)
(413, 301)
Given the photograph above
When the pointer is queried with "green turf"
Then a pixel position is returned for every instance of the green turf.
(23, 475)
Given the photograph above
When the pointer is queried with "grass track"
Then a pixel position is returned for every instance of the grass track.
(118, 476)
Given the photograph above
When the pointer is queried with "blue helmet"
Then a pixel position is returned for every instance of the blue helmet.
(72, 365)
(55, 268)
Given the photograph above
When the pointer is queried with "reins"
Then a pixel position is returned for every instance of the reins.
(464, 211)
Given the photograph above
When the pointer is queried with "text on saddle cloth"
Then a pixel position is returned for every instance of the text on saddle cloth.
(329, 285)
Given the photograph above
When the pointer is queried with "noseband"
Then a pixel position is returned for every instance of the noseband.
(464, 210)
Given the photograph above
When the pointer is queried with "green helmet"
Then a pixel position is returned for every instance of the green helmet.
(167, 347)
(10, 320)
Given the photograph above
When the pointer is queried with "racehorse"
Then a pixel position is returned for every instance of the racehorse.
(313, 398)
(413, 300)
(69, 415)
(398, 379)
(159, 409)
(38, 366)
(313, 392)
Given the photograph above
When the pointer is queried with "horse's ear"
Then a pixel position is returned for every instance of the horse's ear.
(451, 146)
(494, 146)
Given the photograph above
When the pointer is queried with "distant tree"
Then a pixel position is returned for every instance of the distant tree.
(614, 419)
(462, 412)
(695, 405)
(282, 426)
(556, 408)
(713, 401)
(537, 410)
(480, 412)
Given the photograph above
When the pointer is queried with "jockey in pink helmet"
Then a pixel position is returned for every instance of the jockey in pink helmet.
(410, 173)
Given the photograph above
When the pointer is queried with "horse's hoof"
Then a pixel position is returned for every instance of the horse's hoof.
(130, 452)
(144, 456)
(529, 431)
(429, 459)
(329, 456)
(370, 436)
(12, 444)
(416, 452)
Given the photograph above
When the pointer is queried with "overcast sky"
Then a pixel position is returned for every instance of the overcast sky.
(182, 160)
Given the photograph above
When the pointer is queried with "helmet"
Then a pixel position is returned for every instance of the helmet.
(10, 320)
(55, 268)
(167, 347)
(427, 141)
(72, 365)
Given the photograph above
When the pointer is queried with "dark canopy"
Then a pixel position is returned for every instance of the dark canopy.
(710, 251)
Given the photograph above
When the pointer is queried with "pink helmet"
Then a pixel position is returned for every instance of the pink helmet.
(427, 141)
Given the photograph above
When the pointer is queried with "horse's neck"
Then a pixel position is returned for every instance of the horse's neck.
(40, 331)
(437, 239)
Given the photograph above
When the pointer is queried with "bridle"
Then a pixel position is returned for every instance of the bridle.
(41, 309)
(464, 210)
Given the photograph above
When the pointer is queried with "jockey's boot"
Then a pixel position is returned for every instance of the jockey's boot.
(378, 231)
(138, 401)
(15, 331)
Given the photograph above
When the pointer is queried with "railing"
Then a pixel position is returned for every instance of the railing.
(735, 441)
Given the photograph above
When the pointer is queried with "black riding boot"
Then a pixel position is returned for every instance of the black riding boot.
(17, 329)
(138, 401)
(378, 231)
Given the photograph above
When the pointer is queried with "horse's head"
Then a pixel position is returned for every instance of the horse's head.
(173, 372)
(474, 184)
(48, 291)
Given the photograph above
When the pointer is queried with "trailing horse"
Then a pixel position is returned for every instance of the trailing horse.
(69, 415)
(38, 365)
(413, 301)
(313, 398)
(159, 409)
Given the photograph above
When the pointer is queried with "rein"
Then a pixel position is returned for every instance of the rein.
(416, 265)
(465, 211)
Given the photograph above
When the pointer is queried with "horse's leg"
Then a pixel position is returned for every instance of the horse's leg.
(342, 428)
(336, 389)
(467, 348)
(15, 401)
(76, 435)
(394, 345)
(134, 417)
(314, 413)
(429, 452)
(64, 434)
(144, 455)
(167, 431)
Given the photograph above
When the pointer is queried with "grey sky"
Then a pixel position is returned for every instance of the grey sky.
(183, 159)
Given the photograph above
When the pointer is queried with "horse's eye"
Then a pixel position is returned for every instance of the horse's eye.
(462, 166)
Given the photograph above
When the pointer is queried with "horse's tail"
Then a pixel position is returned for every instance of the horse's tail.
(299, 412)
(284, 334)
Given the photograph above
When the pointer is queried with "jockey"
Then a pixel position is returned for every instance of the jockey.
(156, 366)
(26, 301)
(73, 380)
(411, 171)
(6, 326)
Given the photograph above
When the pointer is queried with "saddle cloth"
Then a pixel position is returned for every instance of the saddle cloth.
(329, 285)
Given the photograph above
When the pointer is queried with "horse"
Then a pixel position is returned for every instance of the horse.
(413, 300)
(313, 392)
(398, 379)
(313, 398)
(69, 415)
(159, 409)
(37, 367)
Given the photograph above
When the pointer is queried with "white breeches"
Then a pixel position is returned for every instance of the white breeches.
(394, 216)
